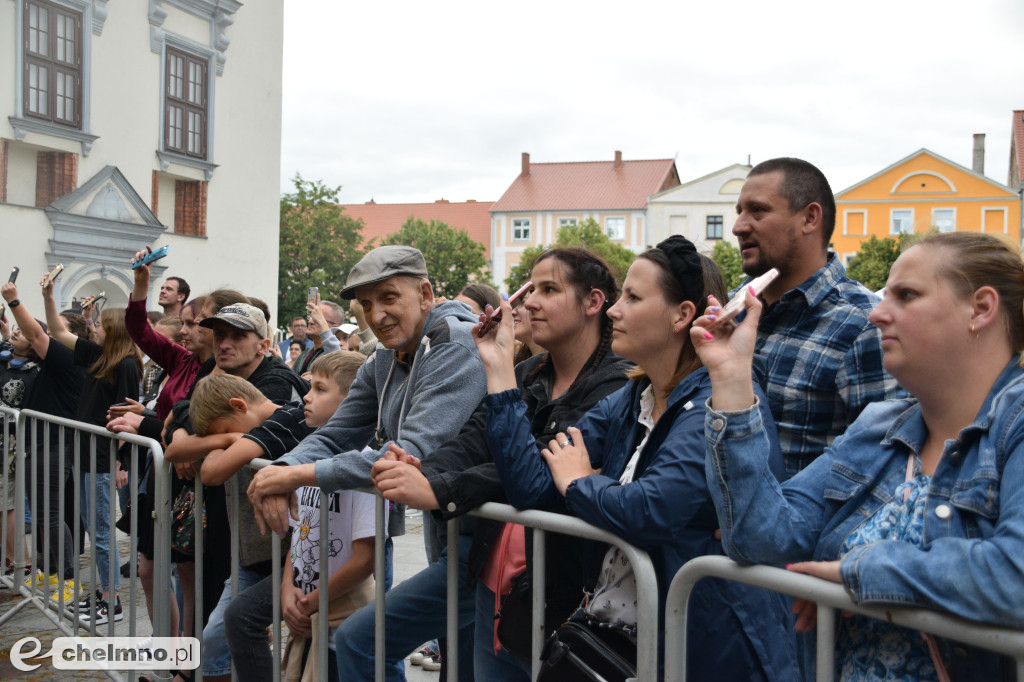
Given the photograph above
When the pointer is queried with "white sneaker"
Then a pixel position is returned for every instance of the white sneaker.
(432, 663)
(102, 613)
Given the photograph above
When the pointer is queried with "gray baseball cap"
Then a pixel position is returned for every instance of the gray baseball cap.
(240, 316)
(382, 263)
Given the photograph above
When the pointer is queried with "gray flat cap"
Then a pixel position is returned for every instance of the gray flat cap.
(240, 316)
(382, 263)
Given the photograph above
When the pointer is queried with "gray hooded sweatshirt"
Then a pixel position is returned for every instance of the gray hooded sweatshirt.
(418, 407)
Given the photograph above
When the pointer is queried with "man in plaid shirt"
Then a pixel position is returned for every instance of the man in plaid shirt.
(820, 358)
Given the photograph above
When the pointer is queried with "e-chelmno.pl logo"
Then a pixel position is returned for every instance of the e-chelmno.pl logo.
(108, 653)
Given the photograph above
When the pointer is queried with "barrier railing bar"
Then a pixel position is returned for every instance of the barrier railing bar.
(323, 623)
(379, 571)
(199, 543)
(832, 595)
(452, 603)
(236, 548)
(646, 578)
(275, 553)
(540, 559)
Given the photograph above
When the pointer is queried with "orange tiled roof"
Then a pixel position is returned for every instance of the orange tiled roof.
(587, 185)
(1018, 142)
(383, 219)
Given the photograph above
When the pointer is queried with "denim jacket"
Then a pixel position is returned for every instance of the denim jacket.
(971, 562)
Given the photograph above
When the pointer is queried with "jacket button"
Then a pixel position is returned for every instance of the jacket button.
(943, 511)
(452, 507)
(717, 424)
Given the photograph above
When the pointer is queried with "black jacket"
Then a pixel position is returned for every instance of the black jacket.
(462, 473)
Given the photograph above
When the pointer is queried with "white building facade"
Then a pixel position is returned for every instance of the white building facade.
(134, 123)
(702, 210)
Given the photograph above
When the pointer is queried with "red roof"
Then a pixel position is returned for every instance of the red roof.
(1018, 142)
(383, 219)
(587, 185)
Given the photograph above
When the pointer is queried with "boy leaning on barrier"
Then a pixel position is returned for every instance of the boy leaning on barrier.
(223, 409)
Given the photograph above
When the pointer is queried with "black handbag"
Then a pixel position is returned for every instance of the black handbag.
(581, 650)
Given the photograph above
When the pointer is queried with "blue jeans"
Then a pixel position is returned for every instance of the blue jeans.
(215, 654)
(488, 664)
(104, 552)
(247, 619)
(415, 612)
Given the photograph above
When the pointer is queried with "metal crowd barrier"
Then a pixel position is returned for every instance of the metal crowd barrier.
(542, 523)
(829, 597)
(56, 440)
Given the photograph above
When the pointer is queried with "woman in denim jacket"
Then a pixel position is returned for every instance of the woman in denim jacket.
(634, 465)
(921, 501)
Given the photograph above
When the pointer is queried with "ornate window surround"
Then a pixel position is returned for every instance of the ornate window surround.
(94, 14)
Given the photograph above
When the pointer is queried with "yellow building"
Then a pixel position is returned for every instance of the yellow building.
(919, 193)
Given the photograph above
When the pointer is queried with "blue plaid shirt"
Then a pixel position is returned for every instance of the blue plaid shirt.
(820, 361)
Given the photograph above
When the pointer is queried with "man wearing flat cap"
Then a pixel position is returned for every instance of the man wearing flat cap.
(417, 389)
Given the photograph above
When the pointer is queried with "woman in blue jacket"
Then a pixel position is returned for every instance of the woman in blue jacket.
(634, 465)
(921, 501)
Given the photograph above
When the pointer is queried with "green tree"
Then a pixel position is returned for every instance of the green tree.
(588, 235)
(318, 246)
(453, 258)
(730, 261)
(871, 265)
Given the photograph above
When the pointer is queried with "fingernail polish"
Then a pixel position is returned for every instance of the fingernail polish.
(712, 317)
(708, 336)
(788, 565)
(715, 308)
(504, 297)
(752, 292)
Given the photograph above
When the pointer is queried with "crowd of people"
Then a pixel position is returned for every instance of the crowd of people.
(869, 441)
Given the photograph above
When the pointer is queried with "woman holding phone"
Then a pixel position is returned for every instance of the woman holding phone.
(919, 503)
(634, 465)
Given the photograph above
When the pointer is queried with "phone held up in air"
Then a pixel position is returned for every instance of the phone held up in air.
(151, 257)
(51, 277)
(14, 274)
(94, 298)
(737, 304)
(515, 300)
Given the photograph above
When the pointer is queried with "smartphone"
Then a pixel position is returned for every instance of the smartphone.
(151, 256)
(14, 274)
(3, 312)
(95, 298)
(52, 275)
(515, 300)
(314, 295)
(737, 305)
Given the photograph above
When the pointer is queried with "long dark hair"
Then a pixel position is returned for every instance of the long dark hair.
(117, 346)
(586, 271)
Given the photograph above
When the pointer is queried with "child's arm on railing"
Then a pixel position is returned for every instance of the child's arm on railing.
(191, 448)
(221, 464)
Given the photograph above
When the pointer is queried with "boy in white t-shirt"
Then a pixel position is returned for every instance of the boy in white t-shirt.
(351, 526)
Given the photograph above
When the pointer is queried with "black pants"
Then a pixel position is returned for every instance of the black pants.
(49, 514)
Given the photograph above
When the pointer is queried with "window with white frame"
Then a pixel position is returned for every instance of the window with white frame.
(616, 228)
(944, 219)
(567, 222)
(520, 229)
(901, 221)
(714, 226)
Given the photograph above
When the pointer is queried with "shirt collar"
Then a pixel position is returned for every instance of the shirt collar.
(816, 287)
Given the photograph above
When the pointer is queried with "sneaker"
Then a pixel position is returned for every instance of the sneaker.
(65, 593)
(39, 580)
(85, 603)
(432, 663)
(426, 650)
(102, 613)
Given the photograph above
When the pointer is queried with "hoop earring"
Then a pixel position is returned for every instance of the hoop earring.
(977, 334)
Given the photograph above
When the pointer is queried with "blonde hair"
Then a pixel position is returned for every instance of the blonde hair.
(341, 365)
(210, 399)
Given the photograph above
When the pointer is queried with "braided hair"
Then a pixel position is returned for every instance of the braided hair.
(586, 271)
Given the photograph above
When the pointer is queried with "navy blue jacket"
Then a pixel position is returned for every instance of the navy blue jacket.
(737, 632)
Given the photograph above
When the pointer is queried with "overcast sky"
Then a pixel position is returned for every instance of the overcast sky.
(412, 101)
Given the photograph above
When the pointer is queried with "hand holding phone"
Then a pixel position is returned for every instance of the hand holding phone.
(51, 277)
(151, 257)
(737, 304)
(516, 300)
(94, 298)
(14, 274)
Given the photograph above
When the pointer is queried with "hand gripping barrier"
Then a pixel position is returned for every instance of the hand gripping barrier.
(829, 597)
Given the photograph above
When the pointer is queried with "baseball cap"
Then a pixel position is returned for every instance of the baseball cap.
(240, 316)
(347, 328)
(382, 263)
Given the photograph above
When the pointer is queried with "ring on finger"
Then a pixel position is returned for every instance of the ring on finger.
(564, 444)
